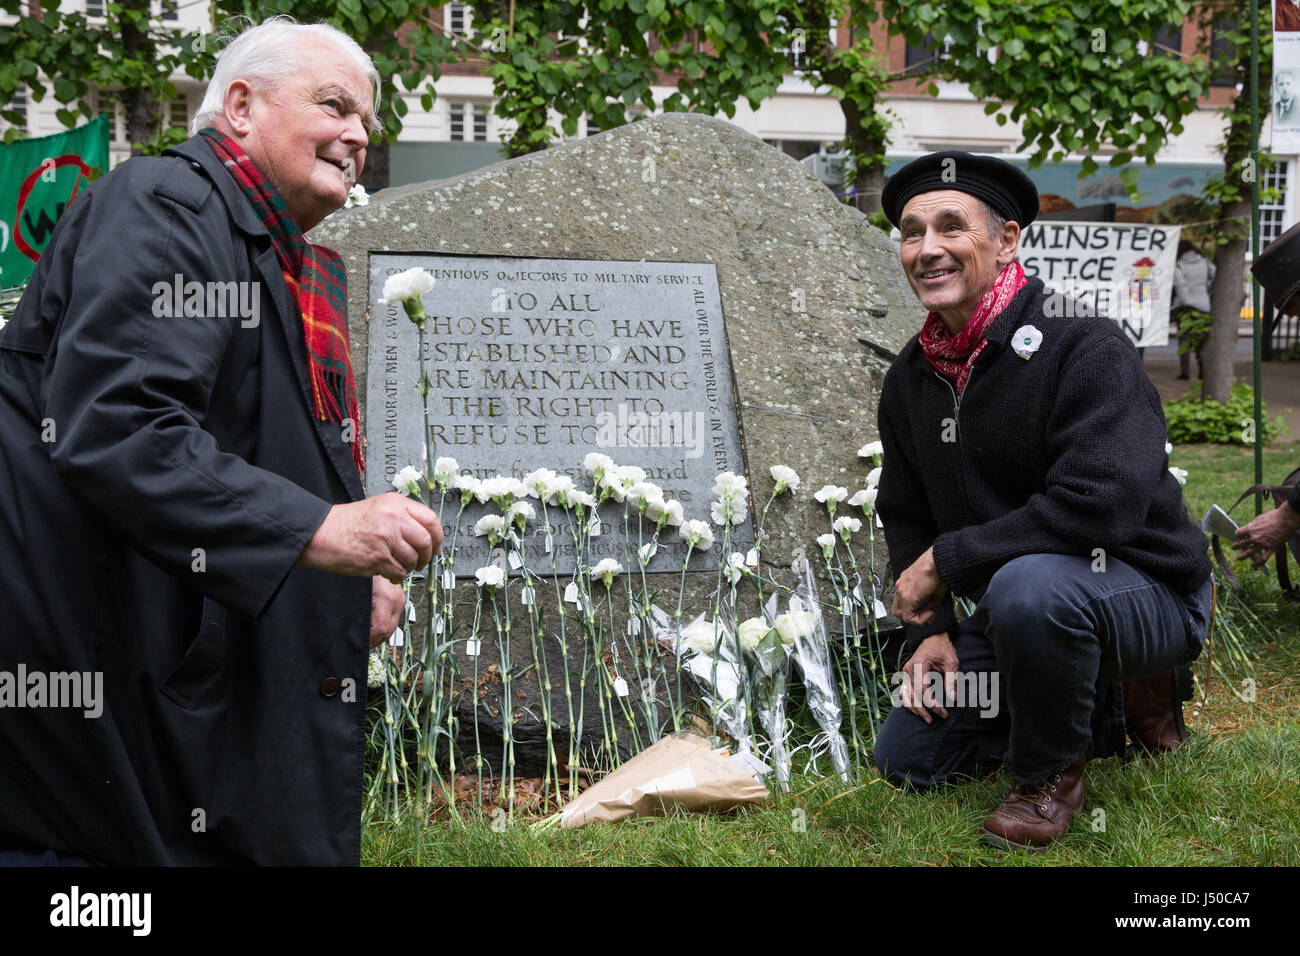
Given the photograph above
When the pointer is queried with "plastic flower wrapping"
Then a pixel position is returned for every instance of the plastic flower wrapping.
(706, 651)
(812, 653)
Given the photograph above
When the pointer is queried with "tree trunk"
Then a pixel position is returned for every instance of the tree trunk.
(870, 176)
(1227, 293)
(1226, 298)
(859, 106)
(138, 102)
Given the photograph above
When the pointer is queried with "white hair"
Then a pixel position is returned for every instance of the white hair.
(263, 55)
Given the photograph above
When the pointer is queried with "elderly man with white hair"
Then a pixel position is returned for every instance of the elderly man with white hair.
(190, 576)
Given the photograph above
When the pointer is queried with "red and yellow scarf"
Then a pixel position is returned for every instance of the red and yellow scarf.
(955, 355)
(318, 283)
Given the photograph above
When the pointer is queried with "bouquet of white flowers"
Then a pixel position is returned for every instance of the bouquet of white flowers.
(812, 652)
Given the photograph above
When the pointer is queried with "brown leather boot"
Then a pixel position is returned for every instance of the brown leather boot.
(1153, 712)
(1035, 814)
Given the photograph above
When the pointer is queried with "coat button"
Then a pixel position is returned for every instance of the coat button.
(329, 687)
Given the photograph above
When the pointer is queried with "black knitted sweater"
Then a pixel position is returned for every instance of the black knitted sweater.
(1059, 453)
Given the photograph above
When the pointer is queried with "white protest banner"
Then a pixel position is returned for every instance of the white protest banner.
(1122, 270)
(1286, 77)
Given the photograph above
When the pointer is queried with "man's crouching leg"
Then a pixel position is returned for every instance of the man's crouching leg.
(969, 742)
(1057, 624)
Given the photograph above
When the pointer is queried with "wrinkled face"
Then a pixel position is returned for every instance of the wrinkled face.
(947, 254)
(308, 134)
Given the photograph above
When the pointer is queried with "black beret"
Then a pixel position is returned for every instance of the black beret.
(1278, 268)
(1003, 187)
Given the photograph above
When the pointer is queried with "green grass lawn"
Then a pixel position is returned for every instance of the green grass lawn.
(1229, 797)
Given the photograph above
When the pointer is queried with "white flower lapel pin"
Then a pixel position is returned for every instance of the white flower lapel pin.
(1026, 341)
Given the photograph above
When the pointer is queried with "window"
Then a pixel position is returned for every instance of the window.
(1272, 216)
(468, 122)
(921, 56)
(169, 11)
(1169, 40)
(18, 104)
(457, 19)
(94, 8)
(590, 125)
(1223, 66)
(177, 113)
(118, 125)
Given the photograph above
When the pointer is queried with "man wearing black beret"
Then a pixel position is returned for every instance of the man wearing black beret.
(1024, 469)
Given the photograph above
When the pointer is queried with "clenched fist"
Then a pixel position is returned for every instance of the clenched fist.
(389, 535)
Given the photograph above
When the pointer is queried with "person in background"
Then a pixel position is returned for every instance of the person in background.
(1193, 274)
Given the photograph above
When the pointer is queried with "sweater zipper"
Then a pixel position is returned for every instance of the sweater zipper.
(956, 402)
(956, 417)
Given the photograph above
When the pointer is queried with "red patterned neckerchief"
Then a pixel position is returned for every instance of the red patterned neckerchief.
(318, 283)
(955, 355)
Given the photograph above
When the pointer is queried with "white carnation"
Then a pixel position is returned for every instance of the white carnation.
(785, 477)
(831, 493)
(729, 486)
(699, 534)
(794, 625)
(490, 525)
(846, 525)
(490, 576)
(406, 285)
(751, 633)
(407, 481)
(444, 470)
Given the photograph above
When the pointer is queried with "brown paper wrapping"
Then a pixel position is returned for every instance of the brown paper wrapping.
(681, 770)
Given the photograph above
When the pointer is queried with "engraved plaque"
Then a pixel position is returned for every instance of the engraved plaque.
(535, 363)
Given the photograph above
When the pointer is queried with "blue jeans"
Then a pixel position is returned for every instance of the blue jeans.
(1047, 631)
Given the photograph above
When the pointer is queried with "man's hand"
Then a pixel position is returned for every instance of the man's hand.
(389, 535)
(936, 654)
(387, 602)
(1261, 537)
(918, 591)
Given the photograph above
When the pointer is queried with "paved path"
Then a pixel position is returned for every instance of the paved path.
(1281, 381)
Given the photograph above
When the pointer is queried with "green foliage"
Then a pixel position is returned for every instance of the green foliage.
(1191, 419)
(1232, 186)
(559, 57)
(1215, 802)
(1193, 328)
(1194, 214)
(1070, 72)
(415, 59)
(130, 56)
(127, 55)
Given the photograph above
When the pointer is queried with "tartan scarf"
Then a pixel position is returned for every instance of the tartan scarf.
(955, 355)
(318, 283)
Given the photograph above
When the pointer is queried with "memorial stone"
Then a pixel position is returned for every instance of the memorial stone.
(805, 301)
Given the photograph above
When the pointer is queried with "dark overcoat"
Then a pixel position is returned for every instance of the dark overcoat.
(160, 474)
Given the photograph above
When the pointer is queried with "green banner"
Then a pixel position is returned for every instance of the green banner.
(38, 178)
